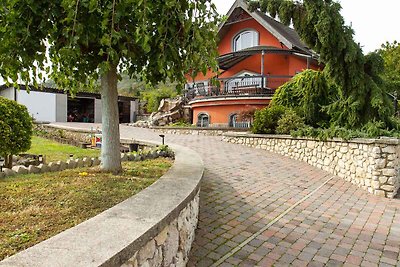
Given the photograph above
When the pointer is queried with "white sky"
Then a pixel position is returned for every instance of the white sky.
(374, 21)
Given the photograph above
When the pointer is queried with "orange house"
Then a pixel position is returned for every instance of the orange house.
(257, 55)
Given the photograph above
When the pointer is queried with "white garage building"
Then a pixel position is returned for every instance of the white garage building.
(53, 105)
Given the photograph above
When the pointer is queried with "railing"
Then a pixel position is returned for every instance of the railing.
(237, 86)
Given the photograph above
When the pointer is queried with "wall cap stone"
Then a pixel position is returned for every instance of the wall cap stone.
(112, 237)
(382, 140)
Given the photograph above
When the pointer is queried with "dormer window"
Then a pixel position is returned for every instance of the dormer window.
(245, 39)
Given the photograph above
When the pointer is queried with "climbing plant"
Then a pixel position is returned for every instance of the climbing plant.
(361, 96)
(77, 42)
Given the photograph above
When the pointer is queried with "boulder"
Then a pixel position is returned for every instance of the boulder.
(33, 169)
(20, 169)
(63, 165)
(96, 161)
(43, 168)
(9, 172)
(87, 162)
(70, 164)
(54, 167)
(79, 163)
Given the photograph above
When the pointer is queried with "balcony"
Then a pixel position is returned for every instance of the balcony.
(237, 86)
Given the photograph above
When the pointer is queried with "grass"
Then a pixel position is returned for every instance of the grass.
(55, 151)
(36, 207)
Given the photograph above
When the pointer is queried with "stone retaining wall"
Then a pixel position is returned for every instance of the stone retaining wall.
(77, 135)
(171, 247)
(153, 228)
(196, 131)
(372, 164)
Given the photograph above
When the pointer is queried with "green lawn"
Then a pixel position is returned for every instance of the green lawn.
(36, 207)
(55, 151)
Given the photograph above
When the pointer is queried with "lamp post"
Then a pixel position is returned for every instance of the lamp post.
(2, 162)
(162, 137)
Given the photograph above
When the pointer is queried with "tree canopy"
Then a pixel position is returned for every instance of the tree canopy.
(361, 96)
(390, 53)
(76, 42)
(158, 39)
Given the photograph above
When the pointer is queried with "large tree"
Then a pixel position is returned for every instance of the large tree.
(390, 53)
(77, 42)
(362, 97)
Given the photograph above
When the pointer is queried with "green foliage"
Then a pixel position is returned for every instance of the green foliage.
(154, 95)
(158, 39)
(361, 94)
(266, 119)
(15, 127)
(390, 53)
(307, 93)
(370, 130)
(182, 124)
(289, 122)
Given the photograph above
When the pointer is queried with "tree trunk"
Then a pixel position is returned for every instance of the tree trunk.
(8, 161)
(110, 150)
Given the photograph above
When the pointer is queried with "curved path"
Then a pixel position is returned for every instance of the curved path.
(261, 209)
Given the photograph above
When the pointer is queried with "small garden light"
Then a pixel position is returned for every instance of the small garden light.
(71, 156)
(2, 162)
(162, 137)
(40, 157)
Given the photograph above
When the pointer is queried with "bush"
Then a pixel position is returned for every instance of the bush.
(154, 96)
(15, 128)
(266, 119)
(308, 93)
(289, 122)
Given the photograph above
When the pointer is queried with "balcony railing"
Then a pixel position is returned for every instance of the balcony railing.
(237, 86)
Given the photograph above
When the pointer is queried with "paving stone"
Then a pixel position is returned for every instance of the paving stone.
(244, 189)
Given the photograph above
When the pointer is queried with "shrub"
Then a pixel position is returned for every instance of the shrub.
(289, 122)
(266, 119)
(15, 128)
(154, 96)
(307, 93)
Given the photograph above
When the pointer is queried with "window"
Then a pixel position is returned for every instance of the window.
(245, 39)
(203, 120)
(233, 120)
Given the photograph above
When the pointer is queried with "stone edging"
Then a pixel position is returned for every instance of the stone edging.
(196, 131)
(372, 164)
(154, 227)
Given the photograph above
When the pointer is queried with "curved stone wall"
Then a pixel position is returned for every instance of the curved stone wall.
(372, 164)
(197, 131)
(153, 228)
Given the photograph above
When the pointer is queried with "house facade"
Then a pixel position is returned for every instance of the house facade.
(257, 54)
(53, 105)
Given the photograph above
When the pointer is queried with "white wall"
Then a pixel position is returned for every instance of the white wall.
(97, 111)
(61, 107)
(8, 93)
(41, 105)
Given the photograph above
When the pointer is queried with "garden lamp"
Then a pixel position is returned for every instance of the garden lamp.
(2, 161)
(162, 137)
(71, 156)
(40, 157)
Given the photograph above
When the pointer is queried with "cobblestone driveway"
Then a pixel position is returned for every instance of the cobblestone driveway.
(263, 209)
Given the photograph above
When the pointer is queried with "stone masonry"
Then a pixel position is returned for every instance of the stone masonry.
(172, 245)
(372, 164)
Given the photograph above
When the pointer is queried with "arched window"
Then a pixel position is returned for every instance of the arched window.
(245, 39)
(203, 120)
(233, 120)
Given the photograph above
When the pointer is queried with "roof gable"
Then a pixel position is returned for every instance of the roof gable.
(283, 33)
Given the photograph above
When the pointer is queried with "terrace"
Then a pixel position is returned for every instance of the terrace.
(261, 85)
